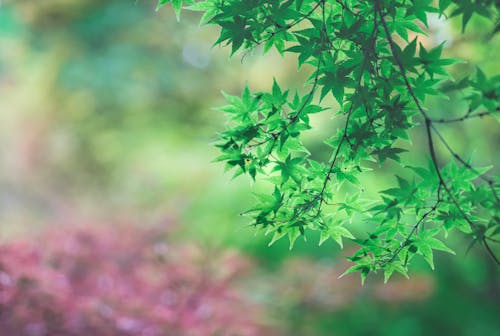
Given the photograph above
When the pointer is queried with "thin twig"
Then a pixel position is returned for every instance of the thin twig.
(428, 126)
(349, 113)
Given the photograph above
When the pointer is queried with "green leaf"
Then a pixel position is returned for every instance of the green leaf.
(394, 266)
(438, 245)
(278, 234)
(353, 269)
(293, 234)
(176, 5)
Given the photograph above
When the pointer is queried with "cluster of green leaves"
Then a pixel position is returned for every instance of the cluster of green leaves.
(360, 53)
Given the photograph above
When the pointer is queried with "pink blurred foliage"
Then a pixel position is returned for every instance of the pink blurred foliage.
(123, 281)
(318, 285)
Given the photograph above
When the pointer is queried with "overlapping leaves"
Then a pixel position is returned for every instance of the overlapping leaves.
(362, 56)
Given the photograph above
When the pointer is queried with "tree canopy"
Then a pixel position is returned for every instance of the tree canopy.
(367, 62)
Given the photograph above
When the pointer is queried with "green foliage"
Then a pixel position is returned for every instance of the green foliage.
(369, 57)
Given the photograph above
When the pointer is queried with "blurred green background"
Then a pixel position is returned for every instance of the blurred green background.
(107, 115)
